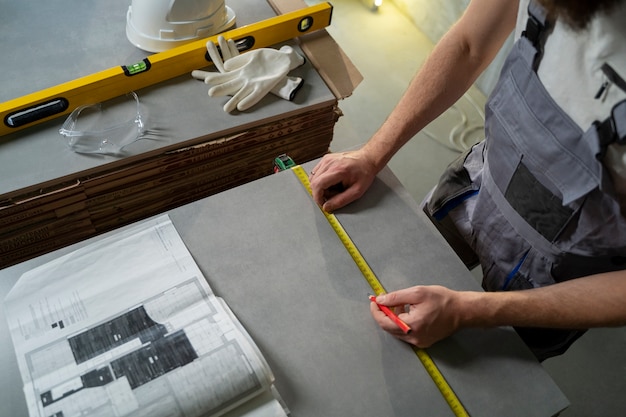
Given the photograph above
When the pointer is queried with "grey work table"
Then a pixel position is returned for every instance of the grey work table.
(47, 43)
(267, 249)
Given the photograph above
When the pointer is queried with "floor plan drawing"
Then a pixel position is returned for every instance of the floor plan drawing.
(163, 346)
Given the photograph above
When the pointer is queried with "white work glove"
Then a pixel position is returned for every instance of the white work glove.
(250, 76)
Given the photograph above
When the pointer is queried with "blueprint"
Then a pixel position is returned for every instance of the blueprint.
(128, 326)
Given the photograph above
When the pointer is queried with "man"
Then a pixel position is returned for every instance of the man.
(541, 203)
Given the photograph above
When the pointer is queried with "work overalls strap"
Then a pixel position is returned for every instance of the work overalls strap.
(538, 27)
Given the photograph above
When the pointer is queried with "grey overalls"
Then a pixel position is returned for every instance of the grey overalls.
(533, 201)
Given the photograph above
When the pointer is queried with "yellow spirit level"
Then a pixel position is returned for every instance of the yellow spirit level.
(59, 100)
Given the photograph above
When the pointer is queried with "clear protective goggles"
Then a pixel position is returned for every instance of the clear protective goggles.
(105, 128)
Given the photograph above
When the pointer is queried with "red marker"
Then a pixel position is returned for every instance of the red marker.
(402, 325)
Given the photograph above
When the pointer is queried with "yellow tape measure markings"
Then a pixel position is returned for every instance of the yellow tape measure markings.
(453, 401)
(365, 269)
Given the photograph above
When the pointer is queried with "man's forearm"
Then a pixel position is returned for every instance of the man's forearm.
(434, 88)
(594, 301)
(451, 68)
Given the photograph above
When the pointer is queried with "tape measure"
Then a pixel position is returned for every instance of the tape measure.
(453, 401)
(56, 101)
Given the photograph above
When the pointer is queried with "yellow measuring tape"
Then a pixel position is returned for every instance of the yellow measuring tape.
(56, 101)
(453, 401)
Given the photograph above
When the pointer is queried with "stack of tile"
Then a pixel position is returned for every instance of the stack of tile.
(48, 216)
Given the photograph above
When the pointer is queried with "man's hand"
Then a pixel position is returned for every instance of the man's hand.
(341, 178)
(435, 312)
(430, 311)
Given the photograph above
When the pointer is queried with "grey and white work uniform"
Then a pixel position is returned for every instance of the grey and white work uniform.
(533, 201)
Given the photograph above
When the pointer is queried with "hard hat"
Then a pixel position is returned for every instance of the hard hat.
(158, 25)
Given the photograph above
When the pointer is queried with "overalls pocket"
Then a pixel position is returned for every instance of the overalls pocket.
(455, 185)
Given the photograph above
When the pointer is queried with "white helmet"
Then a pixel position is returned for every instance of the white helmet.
(158, 25)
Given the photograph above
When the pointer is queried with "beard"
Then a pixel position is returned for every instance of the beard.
(578, 13)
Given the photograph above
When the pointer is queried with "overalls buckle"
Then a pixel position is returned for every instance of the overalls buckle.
(533, 31)
(618, 118)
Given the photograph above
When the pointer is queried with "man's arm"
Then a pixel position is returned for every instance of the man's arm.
(436, 312)
(454, 64)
